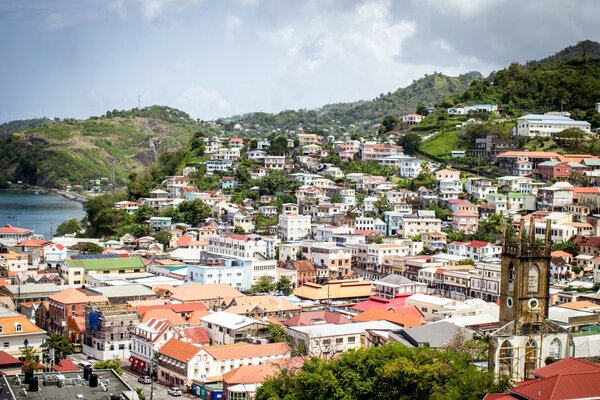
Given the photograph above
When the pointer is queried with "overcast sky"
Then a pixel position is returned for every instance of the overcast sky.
(77, 58)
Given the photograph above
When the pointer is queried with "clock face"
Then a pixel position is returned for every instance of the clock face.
(533, 304)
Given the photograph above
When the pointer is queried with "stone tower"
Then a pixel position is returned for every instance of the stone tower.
(525, 277)
(526, 338)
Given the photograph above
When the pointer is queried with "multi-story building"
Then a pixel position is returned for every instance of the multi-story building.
(274, 162)
(15, 329)
(479, 188)
(393, 285)
(178, 363)
(475, 250)
(294, 227)
(422, 222)
(370, 256)
(544, 125)
(66, 313)
(108, 330)
(465, 221)
(228, 328)
(222, 269)
(75, 271)
(146, 339)
(337, 260)
(523, 163)
(555, 197)
(11, 235)
(485, 281)
(245, 246)
(377, 152)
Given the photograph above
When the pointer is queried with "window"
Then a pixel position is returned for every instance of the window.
(533, 278)
(19, 328)
(505, 359)
(352, 339)
(556, 349)
(531, 355)
(6, 344)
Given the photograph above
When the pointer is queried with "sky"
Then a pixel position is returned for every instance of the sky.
(79, 58)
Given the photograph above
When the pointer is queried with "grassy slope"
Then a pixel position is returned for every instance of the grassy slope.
(75, 151)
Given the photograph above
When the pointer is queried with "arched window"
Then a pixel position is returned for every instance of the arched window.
(556, 349)
(511, 276)
(533, 279)
(18, 327)
(505, 359)
(531, 358)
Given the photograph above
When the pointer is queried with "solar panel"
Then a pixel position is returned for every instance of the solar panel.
(93, 256)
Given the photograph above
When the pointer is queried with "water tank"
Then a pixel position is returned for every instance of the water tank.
(93, 380)
(28, 376)
(33, 384)
(87, 371)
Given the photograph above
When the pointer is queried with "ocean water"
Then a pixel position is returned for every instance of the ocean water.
(40, 212)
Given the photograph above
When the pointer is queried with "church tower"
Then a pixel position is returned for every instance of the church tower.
(526, 338)
(525, 277)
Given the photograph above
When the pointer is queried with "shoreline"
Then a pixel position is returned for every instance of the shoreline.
(56, 192)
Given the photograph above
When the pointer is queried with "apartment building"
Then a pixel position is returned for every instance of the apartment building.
(545, 125)
(274, 162)
(293, 227)
(146, 339)
(337, 260)
(228, 328)
(475, 250)
(377, 152)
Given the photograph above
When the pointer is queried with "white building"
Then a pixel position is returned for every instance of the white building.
(544, 125)
(227, 328)
(294, 226)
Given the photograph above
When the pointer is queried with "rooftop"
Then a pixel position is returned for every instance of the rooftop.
(358, 328)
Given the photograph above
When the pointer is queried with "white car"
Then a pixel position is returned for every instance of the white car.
(174, 391)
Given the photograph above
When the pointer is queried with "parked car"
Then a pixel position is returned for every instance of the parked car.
(145, 379)
(174, 391)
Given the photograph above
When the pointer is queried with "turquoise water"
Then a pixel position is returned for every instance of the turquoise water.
(40, 212)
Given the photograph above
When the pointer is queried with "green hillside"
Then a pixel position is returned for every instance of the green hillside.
(357, 116)
(72, 151)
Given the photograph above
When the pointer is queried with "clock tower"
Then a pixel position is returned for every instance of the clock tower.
(526, 339)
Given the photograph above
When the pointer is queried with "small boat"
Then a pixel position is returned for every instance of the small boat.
(36, 192)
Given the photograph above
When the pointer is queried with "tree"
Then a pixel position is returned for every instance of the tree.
(30, 358)
(284, 285)
(140, 393)
(163, 237)
(382, 205)
(60, 344)
(389, 122)
(465, 261)
(114, 364)
(410, 142)
(69, 226)
(91, 248)
(263, 285)
(144, 213)
(385, 372)
(194, 212)
(422, 109)
(278, 146)
(277, 334)
(239, 230)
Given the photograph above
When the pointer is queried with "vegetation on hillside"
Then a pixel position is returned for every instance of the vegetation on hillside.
(360, 116)
(72, 152)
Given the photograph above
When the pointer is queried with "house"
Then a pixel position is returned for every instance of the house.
(427, 304)
(10, 235)
(337, 260)
(465, 221)
(329, 339)
(227, 182)
(66, 313)
(555, 197)
(15, 329)
(260, 307)
(393, 285)
(545, 125)
(523, 163)
(211, 295)
(434, 240)
(447, 174)
(178, 363)
(377, 152)
(146, 339)
(274, 162)
(294, 226)
(335, 290)
(476, 250)
(411, 119)
(317, 317)
(549, 170)
(76, 271)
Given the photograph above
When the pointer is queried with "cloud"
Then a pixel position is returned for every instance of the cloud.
(232, 23)
(203, 103)
(119, 8)
(154, 10)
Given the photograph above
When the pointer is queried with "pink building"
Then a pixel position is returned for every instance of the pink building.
(465, 221)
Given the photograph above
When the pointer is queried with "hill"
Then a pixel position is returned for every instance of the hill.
(72, 151)
(360, 115)
(22, 124)
(582, 51)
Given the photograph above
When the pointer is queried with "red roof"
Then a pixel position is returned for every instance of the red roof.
(477, 243)
(313, 317)
(196, 335)
(8, 360)
(6, 229)
(184, 241)
(562, 387)
(566, 366)
(465, 214)
(33, 242)
(237, 236)
(66, 365)
(381, 303)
